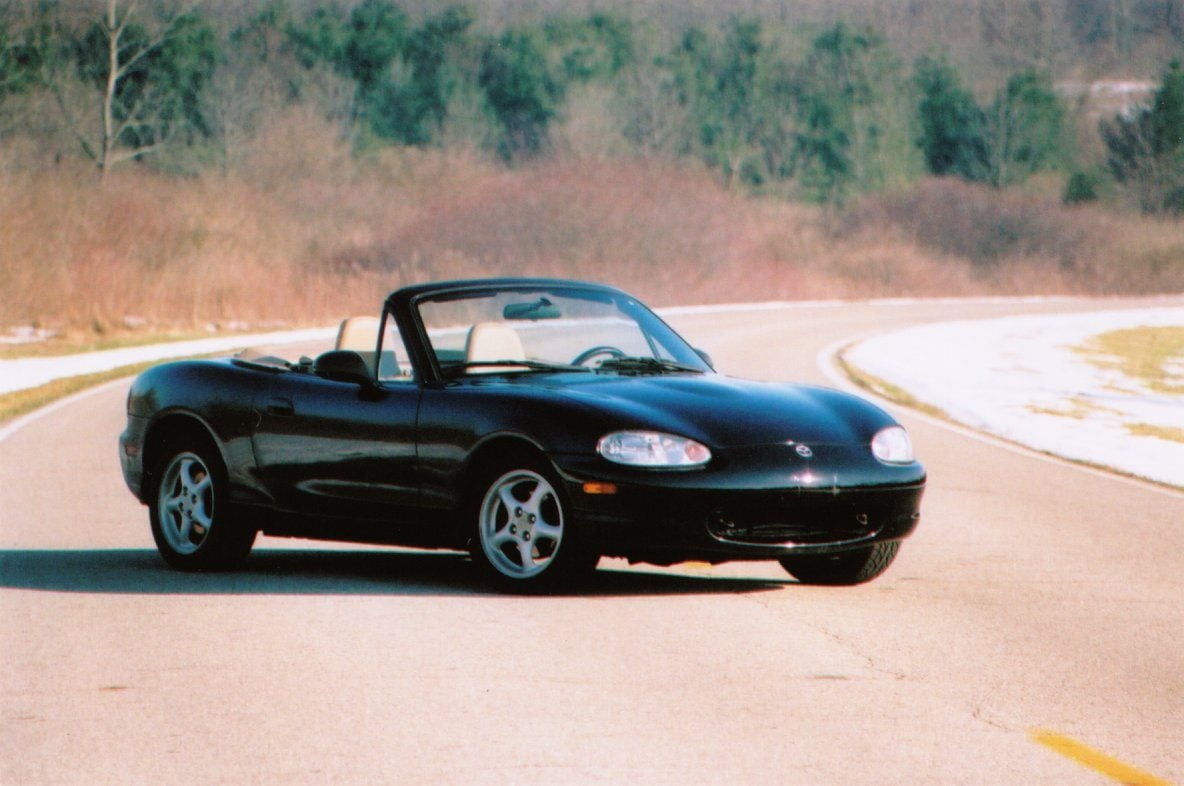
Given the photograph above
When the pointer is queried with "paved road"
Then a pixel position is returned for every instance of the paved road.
(1034, 596)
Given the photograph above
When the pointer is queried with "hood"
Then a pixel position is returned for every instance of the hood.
(726, 412)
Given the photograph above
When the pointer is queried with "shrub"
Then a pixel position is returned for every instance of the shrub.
(1081, 187)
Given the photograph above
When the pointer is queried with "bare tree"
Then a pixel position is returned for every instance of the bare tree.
(132, 122)
(655, 121)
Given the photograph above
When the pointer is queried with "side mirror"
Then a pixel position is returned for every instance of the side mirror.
(343, 365)
(706, 358)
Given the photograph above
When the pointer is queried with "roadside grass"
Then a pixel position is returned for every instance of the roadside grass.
(1076, 408)
(1152, 430)
(885, 389)
(1152, 355)
(60, 346)
(22, 402)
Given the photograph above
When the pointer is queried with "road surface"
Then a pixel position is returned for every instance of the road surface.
(1034, 596)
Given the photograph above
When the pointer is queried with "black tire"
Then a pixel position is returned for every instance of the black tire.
(525, 538)
(844, 568)
(193, 523)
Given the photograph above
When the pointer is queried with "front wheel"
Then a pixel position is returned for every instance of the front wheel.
(193, 523)
(842, 569)
(526, 538)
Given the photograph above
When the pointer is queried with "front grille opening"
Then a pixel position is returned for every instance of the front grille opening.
(771, 526)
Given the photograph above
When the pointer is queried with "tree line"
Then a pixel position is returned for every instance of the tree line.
(820, 114)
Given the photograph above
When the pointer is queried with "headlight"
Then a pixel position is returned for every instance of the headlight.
(893, 446)
(652, 449)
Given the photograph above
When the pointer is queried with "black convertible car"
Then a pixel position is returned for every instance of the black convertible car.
(539, 424)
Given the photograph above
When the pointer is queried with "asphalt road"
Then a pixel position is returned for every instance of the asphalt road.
(1034, 596)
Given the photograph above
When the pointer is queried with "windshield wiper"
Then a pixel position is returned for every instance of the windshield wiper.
(456, 369)
(645, 365)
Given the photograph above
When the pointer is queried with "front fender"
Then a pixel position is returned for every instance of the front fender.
(211, 398)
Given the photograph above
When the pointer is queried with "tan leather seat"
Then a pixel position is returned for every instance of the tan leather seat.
(361, 335)
(490, 341)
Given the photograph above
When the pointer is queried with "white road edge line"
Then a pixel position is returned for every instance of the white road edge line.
(827, 361)
(37, 414)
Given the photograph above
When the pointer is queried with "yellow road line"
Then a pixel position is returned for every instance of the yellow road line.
(1096, 760)
(697, 567)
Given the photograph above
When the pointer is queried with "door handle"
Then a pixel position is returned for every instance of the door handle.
(282, 407)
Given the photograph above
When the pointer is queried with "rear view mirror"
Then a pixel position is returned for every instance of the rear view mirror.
(539, 309)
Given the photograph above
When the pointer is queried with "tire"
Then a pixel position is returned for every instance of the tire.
(193, 523)
(526, 538)
(843, 569)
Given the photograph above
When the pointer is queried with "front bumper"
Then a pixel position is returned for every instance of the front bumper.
(665, 518)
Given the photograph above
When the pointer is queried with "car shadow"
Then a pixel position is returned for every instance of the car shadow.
(311, 572)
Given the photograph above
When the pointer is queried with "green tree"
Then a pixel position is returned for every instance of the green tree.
(23, 50)
(738, 98)
(522, 92)
(591, 48)
(843, 112)
(1024, 129)
(732, 130)
(951, 123)
(26, 54)
(1166, 114)
(375, 37)
(439, 55)
(1145, 150)
(822, 151)
(403, 77)
(321, 37)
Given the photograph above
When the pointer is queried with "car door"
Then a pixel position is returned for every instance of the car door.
(338, 448)
(343, 448)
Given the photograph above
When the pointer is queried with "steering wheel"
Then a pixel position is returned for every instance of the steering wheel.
(610, 352)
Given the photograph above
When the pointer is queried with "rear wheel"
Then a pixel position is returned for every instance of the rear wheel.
(193, 523)
(526, 538)
(844, 568)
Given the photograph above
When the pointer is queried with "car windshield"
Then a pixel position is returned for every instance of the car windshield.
(554, 329)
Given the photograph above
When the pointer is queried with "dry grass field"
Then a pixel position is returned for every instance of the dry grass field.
(303, 232)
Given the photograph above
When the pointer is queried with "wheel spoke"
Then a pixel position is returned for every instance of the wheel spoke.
(185, 475)
(501, 537)
(547, 532)
(186, 529)
(506, 495)
(202, 485)
(526, 553)
(202, 517)
(534, 503)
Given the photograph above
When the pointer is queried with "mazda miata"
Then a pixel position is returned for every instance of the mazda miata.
(537, 424)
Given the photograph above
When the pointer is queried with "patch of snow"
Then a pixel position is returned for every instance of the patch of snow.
(27, 334)
(1009, 376)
